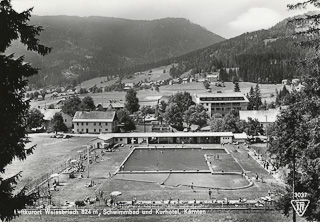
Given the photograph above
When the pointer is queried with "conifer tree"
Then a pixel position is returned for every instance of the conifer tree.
(13, 74)
(257, 97)
(236, 87)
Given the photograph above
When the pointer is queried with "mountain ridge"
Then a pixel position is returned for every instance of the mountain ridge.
(93, 46)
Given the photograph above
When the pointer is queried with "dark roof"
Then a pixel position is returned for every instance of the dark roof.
(100, 116)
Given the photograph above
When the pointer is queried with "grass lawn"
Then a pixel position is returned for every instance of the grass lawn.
(50, 152)
(150, 97)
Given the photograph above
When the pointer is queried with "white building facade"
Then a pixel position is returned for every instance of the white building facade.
(95, 122)
(222, 102)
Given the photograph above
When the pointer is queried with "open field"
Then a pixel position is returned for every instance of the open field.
(150, 97)
(48, 153)
(155, 75)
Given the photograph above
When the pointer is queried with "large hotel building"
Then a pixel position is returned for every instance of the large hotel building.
(222, 102)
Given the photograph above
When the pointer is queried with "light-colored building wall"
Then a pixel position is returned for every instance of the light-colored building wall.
(222, 103)
(67, 120)
(94, 127)
(226, 139)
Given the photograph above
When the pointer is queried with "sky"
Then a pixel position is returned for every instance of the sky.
(227, 18)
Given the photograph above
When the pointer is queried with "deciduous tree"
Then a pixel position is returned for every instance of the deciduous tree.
(196, 114)
(71, 105)
(34, 118)
(57, 123)
(125, 119)
(183, 100)
(87, 104)
(173, 116)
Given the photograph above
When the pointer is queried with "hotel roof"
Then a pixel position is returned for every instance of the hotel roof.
(230, 94)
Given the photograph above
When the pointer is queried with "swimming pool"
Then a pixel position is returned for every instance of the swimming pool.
(166, 159)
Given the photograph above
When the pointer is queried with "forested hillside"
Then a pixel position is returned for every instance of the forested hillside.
(264, 56)
(87, 47)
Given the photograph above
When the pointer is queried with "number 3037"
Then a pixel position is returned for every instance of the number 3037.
(300, 194)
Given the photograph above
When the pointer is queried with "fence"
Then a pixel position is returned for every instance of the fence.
(58, 168)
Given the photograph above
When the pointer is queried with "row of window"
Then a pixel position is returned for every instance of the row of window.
(221, 98)
(223, 104)
(100, 124)
(87, 130)
(225, 109)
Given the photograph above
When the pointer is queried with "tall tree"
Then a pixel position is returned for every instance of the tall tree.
(71, 105)
(297, 128)
(125, 119)
(196, 114)
(14, 71)
(57, 123)
(251, 99)
(217, 123)
(236, 87)
(173, 116)
(206, 84)
(87, 103)
(34, 118)
(132, 101)
(257, 97)
(183, 100)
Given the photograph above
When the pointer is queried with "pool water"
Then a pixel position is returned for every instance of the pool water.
(164, 159)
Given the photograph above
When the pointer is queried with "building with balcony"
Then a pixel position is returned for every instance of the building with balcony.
(222, 102)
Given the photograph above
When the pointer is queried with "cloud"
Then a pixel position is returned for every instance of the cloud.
(255, 19)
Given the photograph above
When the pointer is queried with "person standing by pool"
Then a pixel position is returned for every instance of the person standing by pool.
(210, 192)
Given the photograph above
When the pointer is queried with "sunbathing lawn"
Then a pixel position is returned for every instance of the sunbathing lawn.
(49, 154)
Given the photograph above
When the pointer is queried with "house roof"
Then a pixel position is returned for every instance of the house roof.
(115, 104)
(240, 135)
(262, 116)
(49, 113)
(212, 76)
(94, 116)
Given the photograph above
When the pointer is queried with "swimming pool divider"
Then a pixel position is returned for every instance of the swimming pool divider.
(196, 186)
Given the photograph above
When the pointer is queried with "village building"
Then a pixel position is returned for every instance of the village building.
(111, 105)
(48, 116)
(95, 122)
(213, 77)
(222, 102)
(265, 117)
(185, 80)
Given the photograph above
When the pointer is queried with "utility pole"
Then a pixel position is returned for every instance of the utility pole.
(88, 155)
(267, 130)
(293, 182)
